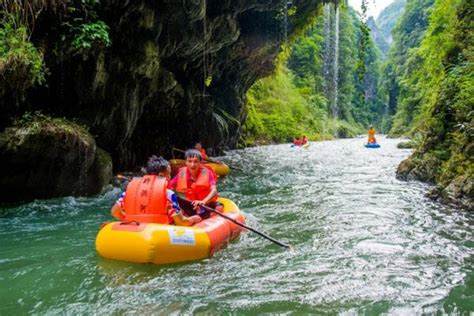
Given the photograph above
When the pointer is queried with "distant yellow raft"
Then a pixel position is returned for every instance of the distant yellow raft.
(165, 244)
(221, 169)
(305, 145)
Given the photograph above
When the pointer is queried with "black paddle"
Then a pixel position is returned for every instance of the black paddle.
(279, 243)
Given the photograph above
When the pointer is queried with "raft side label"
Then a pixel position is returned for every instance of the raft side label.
(181, 236)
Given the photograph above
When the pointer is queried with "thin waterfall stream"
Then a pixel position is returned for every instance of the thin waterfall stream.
(335, 106)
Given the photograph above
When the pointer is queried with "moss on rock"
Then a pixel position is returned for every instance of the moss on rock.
(406, 145)
(45, 157)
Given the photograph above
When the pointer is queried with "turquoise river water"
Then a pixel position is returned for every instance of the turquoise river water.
(364, 243)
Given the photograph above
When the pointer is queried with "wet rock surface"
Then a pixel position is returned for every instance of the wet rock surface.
(458, 192)
(46, 158)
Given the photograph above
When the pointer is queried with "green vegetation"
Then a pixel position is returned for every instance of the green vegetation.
(447, 93)
(271, 119)
(377, 36)
(21, 64)
(91, 35)
(406, 145)
(424, 90)
(436, 92)
(314, 93)
(407, 35)
(37, 121)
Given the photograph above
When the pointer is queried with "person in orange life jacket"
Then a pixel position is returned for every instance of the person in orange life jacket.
(297, 142)
(305, 140)
(199, 148)
(371, 133)
(159, 167)
(197, 183)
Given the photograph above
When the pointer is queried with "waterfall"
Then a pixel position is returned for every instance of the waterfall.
(335, 107)
(331, 58)
(285, 5)
(327, 50)
(285, 21)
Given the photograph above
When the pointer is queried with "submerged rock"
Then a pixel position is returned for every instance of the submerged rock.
(46, 157)
(458, 192)
(414, 168)
(406, 145)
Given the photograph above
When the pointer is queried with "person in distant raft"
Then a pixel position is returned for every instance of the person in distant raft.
(371, 132)
(297, 142)
(199, 148)
(197, 183)
(304, 140)
(147, 199)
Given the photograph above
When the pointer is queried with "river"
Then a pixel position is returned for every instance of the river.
(363, 241)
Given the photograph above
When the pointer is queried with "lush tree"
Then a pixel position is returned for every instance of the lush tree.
(436, 97)
(407, 35)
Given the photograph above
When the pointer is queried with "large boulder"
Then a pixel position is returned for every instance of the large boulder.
(459, 192)
(45, 157)
(406, 145)
(419, 168)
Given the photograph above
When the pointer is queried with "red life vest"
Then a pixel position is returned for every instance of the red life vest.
(199, 189)
(203, 153)
(145, 200)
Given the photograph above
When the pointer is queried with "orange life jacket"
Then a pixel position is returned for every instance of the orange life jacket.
(371, 135)
(203, 153)
(199, 189)
(145, 200)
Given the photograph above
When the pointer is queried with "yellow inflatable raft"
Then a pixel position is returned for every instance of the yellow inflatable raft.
(165, 244)
(221, 169)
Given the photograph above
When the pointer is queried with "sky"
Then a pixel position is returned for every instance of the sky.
(375, 6)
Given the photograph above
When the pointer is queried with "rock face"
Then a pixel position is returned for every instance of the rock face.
(169, 74)
(406, 145)
(458, 191)
(414, 168)
(45, 157)
(378, 37)
(175, 72)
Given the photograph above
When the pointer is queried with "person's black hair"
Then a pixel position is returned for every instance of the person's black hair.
(191, 153)
(155, 165)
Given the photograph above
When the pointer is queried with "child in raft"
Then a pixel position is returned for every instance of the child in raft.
(197, 183)
(201, 150)
(160, 167)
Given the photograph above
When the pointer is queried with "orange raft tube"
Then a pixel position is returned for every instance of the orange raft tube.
(221, 169)
(165, 244)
